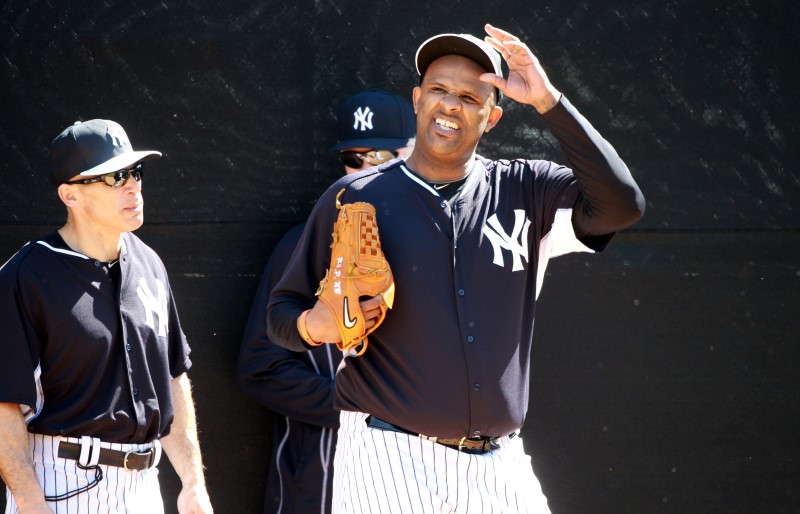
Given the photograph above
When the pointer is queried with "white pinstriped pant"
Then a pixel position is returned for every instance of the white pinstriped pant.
(119, 492)
(392, 473)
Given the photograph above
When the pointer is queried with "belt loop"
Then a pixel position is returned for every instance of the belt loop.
(86, 450)
(90, 451)
(157, 456)
(95, 452)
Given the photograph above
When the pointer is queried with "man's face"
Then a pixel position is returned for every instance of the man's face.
(110, 210)
(363, 151)
(454, 108)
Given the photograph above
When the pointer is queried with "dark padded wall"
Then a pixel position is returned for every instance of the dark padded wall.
(664, 375)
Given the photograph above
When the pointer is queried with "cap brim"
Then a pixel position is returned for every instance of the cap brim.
(456, 44)
(121, 161)
(376, 143)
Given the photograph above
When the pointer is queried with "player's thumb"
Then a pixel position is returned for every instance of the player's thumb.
(372, 303)
(495, 80)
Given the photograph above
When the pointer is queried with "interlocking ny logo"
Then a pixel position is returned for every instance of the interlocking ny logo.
(363, 116)
(154, 304)
(516, 243)
(116, 136)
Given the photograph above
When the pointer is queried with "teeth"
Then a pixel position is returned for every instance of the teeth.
(445, 123)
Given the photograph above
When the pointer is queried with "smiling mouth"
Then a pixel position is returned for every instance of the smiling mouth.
(446, 124)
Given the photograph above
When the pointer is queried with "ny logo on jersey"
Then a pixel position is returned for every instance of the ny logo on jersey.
(363, 116)
(516, 243)
(154, 304)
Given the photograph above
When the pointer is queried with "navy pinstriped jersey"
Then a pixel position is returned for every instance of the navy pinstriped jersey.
(452, 357)
(82, 355)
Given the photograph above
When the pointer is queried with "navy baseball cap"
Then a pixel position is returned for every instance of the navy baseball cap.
(375, 119)
(465, 45)
(92, 148)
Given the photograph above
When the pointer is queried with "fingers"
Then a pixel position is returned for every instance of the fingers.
(372, 307)
(527, 81)
(499, 34)
(506, 43)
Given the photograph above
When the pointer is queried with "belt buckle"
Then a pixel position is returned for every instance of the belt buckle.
(481, 445)
(148, 452)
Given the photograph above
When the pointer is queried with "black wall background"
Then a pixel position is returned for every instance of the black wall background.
(664, 373)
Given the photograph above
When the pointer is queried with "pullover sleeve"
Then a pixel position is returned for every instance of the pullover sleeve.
(279, 379)
(294, 292)
(609, 199)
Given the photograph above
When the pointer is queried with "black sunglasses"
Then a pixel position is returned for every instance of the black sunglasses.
(373, 157)
(115, 178)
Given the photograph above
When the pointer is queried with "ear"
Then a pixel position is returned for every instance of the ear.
(415, 97)
(68, 194)
(494, 117)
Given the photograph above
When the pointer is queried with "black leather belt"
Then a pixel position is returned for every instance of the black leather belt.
(133, 460)
(472, 445)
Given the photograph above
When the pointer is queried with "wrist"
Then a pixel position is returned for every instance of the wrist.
(303, 329)
(543, 105)
(195, 484)
(32, 502)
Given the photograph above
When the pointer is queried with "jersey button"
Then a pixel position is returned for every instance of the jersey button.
(477, 387)
(97, 264)
(128, 347)
(461, 292)
(443, 205)
(470, 339)
(476, 433)
(135, 391)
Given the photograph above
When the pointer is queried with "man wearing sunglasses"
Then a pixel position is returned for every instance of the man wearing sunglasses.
(93, 377)
(374, 127)
(431, 412)
(298, 386)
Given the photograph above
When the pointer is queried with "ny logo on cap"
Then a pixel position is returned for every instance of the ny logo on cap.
(117, 135)
(363, 116)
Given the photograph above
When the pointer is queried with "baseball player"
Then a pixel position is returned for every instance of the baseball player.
(431, 412)
(93, 376)
(372, 127)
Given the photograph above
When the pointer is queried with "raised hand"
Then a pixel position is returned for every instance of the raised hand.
(527, 82)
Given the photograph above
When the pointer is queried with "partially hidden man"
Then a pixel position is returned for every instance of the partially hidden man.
(372, 127)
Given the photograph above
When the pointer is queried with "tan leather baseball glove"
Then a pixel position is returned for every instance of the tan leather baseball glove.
(358, 269)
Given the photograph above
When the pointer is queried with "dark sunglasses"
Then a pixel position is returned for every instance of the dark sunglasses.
(373, 157)
(115, 178)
